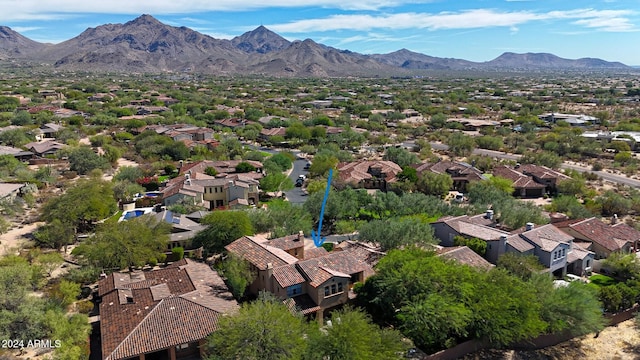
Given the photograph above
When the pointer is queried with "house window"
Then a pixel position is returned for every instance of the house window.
(294, 290)
(339, 287)
(326, 291)
(333, 289)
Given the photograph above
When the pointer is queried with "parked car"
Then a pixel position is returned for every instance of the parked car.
(299, 182)
(307, 165)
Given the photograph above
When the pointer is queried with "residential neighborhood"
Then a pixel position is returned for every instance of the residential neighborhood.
(170, 218)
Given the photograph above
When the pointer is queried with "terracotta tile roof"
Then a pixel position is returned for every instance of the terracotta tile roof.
(273, 132)
(221, 166)
(157, 330)
(354, 172)
(301, 303)
(362, 252)
(150, 311)
(288, 275)
(314, 253)
(610, 237)
(542, 172)
(465, 255)
(321, 269)
(520, 180)
(256, 250)
(287, 242)
(457, 170)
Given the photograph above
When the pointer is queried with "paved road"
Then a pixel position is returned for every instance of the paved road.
(296, 195)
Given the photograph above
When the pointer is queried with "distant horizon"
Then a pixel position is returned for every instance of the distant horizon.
(477, 31)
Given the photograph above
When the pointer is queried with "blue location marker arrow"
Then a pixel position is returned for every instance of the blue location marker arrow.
(317, 240)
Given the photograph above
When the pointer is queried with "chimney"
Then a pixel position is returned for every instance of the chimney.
(529, 226)
(269, 277)
(614, 219)
(298, 251)
(489, 214)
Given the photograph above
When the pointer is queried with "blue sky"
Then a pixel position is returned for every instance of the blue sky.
(477, 30)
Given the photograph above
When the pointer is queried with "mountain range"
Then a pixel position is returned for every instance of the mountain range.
(146, 45)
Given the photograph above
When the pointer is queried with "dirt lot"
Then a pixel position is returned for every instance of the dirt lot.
(621, 342)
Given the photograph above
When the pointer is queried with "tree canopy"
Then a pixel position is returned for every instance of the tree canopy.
(131, 243)
(439, 303)
(223, 227)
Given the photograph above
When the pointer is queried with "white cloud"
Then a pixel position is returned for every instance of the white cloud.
(53, 9)
(608, 20)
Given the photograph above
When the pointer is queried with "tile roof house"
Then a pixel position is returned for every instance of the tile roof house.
(553, 248)
(15, 152)
(603, 238)
(49, 130)
(183, 229)
(225, 190)
(464, 255)
(461, 173)
(44, 148)
(309, 280)
(524, 186)
(479, 226)
(10, 191)
(223, 167)
(165, 313)
(369, 174)
(543, 175)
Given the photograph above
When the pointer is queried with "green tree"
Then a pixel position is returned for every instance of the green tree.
(522, 266)
(129, 173)
(574, 308)
(245, 167)
(177, 253)
(400, 156)
(64, 292)
(49, 261)
(321, 165)
(574, 186)
(238, 274)
(15, 137)
(264, 329)
(475, 244)
(502, 184)
(124, 191)
(352, 335)
(281, 219)
(281, 162)
(83, 159)
(274, 182)
(430, 183)
(223, 227)
(544, 158)
(82, 205)
(408, 174)
(54, 235)
(395, 233)
(72, 331)
(131, 243)
(460, 144)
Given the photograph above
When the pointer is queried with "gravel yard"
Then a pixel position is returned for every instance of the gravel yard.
(620, 342)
